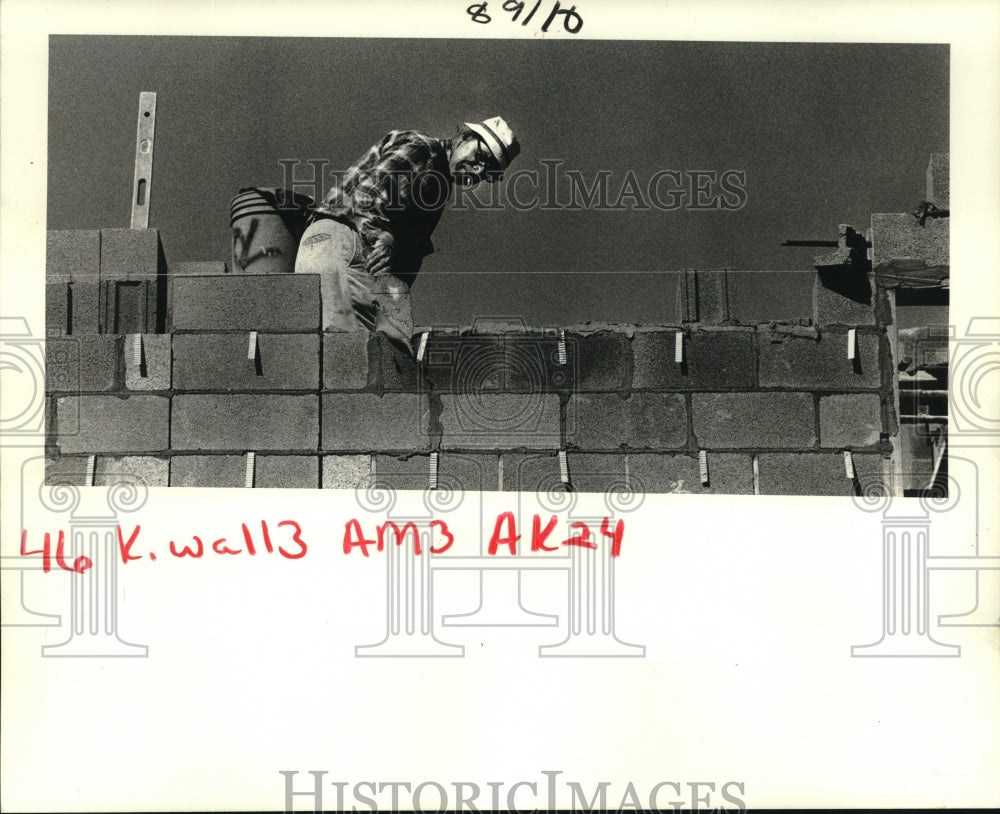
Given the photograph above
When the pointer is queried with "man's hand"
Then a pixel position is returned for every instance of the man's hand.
(380, 258)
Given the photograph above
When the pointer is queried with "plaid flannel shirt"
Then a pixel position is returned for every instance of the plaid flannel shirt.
(395, 194)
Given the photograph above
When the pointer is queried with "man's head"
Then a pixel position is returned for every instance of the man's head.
(482, 151)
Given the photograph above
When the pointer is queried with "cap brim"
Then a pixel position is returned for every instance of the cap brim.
(492, 142)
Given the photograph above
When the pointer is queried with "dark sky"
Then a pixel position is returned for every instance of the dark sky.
(826, 134)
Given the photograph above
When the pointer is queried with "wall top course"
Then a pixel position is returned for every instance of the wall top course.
(280, 302)
(900, 236)
(72, 255)
(799, 327)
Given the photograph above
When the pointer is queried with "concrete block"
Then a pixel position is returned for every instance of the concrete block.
(220, 362)
(57, 309)
(835, 308)
(346, 471)
(647, 473)
(770, 296)
(591, 473)
(72, 255)
(531, 363)
(102, 424)
(85, 313)
(153, 370)
(82, 364)
(713, 360)
(458, 473)
(596, 421)
(464, 364)
(244, 422)
(140, 469)
(938, 180)
(874, 471)
(658, 474)
(754, 420)
(803, 473)
(850, 421)
(703, 296)
(500, 420)
(467, 472)
(819, 364)
(397, 369)
(198, 268)
(401, 474)
(901, 237)
(531, 472)
(594, 473)
(366, 422)
(713, 297)
(597, 473)
(209, 471)
(729, 474)
(656, 421)
(131, 306)
(66, 469)
(286, 472)
(347, 363)
(131, 254)
(288, 303)
(597, 362)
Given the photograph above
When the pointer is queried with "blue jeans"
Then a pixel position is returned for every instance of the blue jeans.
(353, 299)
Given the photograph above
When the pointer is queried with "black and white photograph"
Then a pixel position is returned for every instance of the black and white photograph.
(621, 283)
(358, 359)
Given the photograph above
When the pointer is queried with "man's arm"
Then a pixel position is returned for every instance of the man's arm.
(384, 192)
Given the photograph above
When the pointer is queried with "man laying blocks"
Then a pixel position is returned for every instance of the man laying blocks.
(368, 238)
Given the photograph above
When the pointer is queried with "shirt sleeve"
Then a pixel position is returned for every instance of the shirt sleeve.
(383, 192)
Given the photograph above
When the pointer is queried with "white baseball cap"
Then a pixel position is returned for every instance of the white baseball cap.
(499, 138)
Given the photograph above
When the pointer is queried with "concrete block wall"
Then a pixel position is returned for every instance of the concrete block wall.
(176, 374)
(105, 281)
(241, 366)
